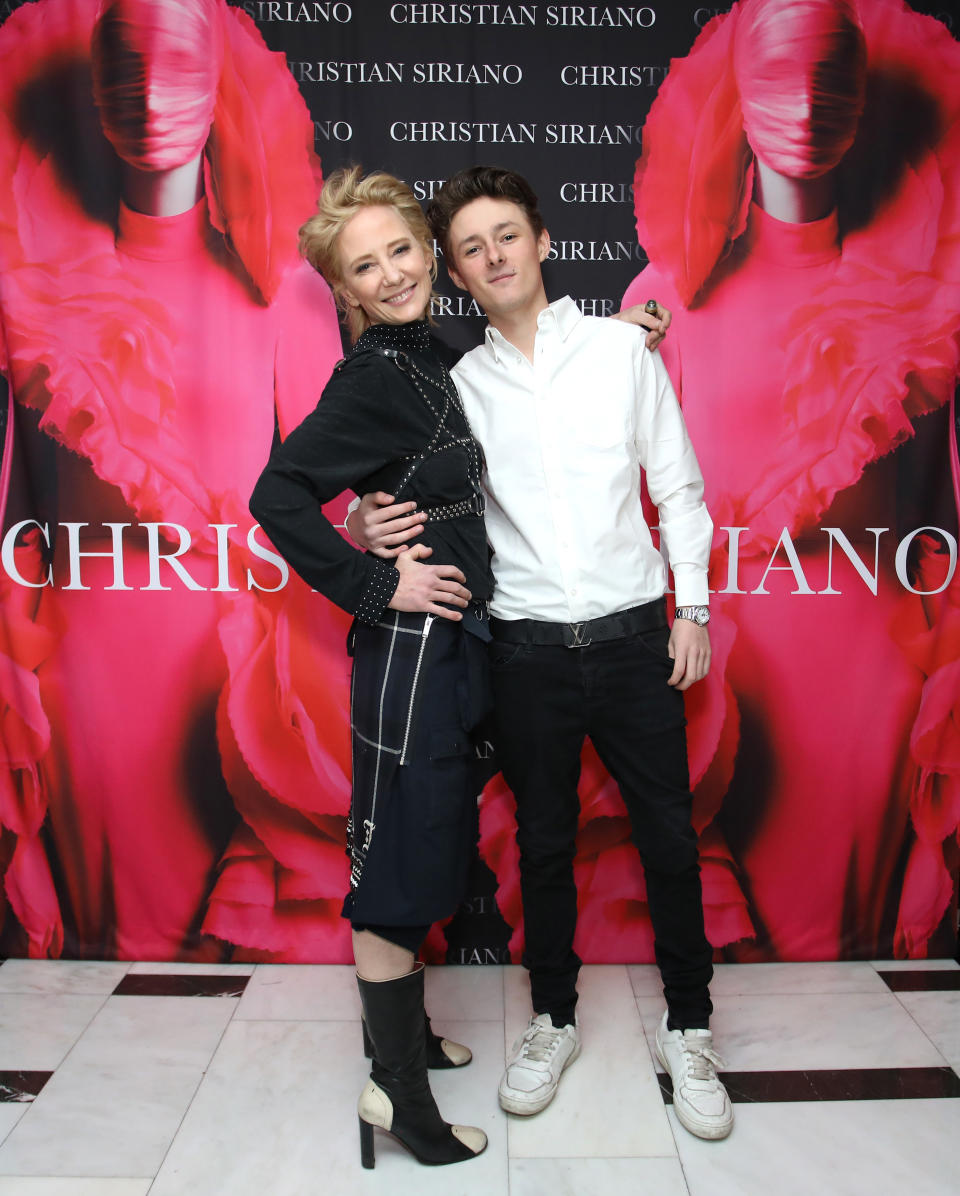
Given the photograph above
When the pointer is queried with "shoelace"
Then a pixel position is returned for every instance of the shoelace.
(540, 1043)
(702, 1061)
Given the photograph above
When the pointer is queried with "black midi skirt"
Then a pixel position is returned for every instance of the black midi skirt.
(414, 803)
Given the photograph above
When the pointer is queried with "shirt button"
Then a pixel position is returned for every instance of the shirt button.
(574, 590)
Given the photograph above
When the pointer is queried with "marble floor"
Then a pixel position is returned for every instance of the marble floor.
(121, 1079)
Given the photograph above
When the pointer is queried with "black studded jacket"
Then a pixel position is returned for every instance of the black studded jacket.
(389, 415)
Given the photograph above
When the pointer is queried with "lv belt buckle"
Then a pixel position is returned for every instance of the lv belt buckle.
(576, 639)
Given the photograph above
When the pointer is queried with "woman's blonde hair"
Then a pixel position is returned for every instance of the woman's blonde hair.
(344, 194)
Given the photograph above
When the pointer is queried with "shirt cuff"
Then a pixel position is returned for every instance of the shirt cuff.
(691, 586)
(350, 509)
(380, 588)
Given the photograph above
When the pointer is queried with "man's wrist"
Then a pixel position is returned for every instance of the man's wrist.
(696, 614)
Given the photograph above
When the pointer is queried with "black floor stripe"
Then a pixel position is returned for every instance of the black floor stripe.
(163, 984)
(21, 1086)
(874, 1083)
(919, 980)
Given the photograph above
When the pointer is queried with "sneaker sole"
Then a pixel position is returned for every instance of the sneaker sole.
(528, 1108)
(711, 1133)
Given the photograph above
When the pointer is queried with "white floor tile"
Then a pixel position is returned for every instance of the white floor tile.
(307, 993)
(57, 977)
(596, 1177)
(645, 979)
(840, 1030)
(37, 1031)
(146, 968)
(938, 1016)
(756, 979)
(301, 992)
(464, 993)
(915, 965)
(795, 979)
(867, 1148)
(608, 1104)
(23, 1185)
(277, 1113)
(10, 1114)
(114, 1106)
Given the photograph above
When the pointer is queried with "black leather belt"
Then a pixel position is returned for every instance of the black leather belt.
(647, 617)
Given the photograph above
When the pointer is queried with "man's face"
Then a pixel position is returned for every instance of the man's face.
(494, 254)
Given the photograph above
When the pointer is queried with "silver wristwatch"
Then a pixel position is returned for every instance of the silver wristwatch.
(697, 614)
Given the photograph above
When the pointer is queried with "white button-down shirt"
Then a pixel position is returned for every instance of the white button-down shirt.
(565, 440)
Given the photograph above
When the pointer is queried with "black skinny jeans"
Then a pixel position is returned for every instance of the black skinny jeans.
(546, 700)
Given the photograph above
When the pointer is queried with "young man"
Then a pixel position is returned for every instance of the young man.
(571, 412)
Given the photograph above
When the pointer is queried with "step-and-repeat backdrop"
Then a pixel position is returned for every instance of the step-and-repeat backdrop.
(174, 750)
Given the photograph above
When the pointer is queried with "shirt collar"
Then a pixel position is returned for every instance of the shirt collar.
(562, 314)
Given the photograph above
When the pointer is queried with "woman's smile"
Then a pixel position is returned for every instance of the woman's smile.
(384, 269)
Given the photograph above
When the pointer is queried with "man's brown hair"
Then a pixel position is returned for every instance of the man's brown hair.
(480, 182)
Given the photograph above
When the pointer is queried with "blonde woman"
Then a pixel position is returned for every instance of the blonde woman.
(390, 419)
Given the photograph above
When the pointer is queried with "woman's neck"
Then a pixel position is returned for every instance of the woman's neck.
(163, 192)
(794, 201)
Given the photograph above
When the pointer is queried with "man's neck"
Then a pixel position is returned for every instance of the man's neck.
(520, 327)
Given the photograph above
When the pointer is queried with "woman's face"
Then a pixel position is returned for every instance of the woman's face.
(383, 268)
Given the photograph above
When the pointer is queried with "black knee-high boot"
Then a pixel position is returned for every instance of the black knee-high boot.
(397, 1097)
(442, 1053)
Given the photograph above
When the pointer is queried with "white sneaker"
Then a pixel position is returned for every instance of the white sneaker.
(534, 1069)
(700, 1101)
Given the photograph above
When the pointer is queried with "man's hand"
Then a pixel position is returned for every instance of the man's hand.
(658, 324)
(384, 527)
(423, 587)
(689, 648)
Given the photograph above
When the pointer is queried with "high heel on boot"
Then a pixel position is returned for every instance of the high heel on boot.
(442, 1053)
(397, 1097)
(375, 1108)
